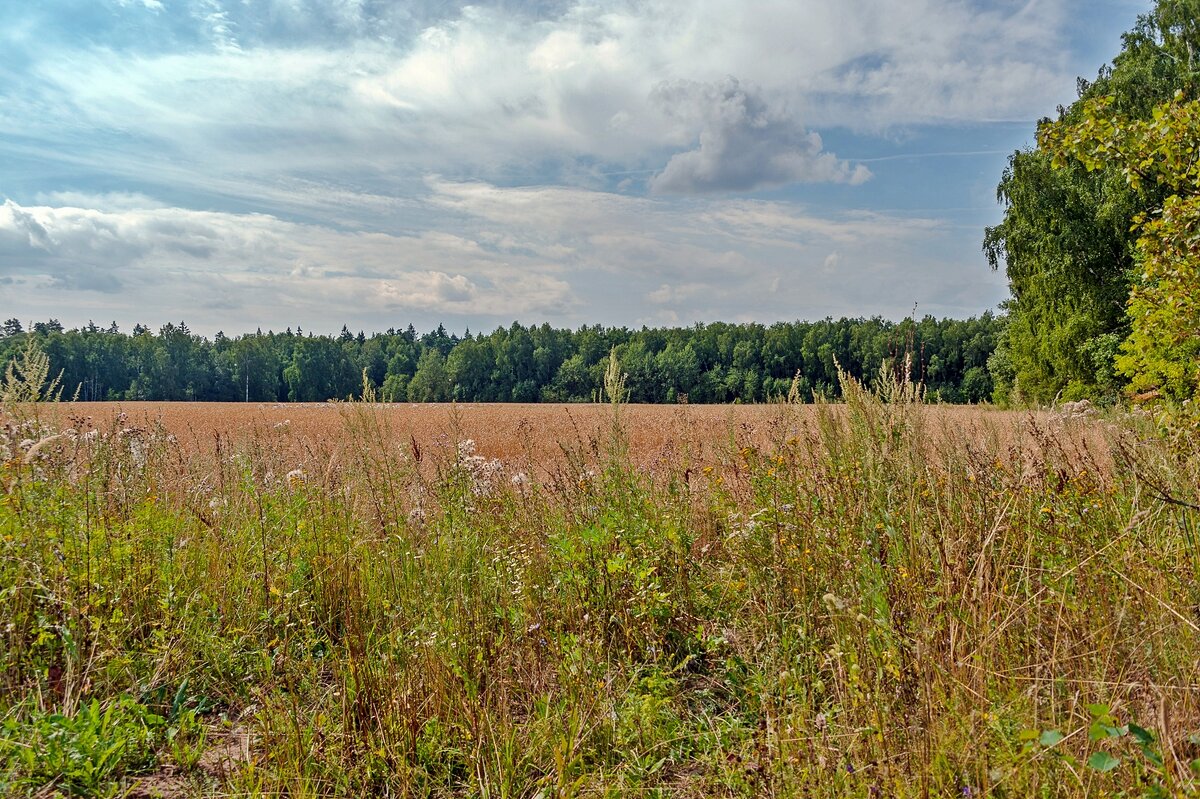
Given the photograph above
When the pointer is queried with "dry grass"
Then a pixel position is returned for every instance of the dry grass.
(540, 435)
(863, 600)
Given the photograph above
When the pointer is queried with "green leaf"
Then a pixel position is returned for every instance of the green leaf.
(1142, 735)
(1050, 738)
(1098, 710)
(1103, 762)
(1152, 756)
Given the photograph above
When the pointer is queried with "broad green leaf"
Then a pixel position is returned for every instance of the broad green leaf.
(1050, 738)
(1142, 735)
(1103, 762)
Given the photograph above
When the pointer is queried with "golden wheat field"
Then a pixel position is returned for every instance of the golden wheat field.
(540, 438)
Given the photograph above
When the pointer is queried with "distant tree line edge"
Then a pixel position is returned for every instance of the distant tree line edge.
(705, 363)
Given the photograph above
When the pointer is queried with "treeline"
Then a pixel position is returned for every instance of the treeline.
(706, 363)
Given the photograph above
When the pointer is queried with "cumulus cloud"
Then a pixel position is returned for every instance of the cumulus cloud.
(744, 144)
(21, 229)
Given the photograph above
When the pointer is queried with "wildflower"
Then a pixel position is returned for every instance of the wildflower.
(296, 477)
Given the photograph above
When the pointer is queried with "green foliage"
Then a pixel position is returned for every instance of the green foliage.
(1066, 241)
(702, 364)
(84, 754)
(1162, 353)
(1064, 245)
(431, 383)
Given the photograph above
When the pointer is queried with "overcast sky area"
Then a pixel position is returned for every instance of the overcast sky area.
(239, 164)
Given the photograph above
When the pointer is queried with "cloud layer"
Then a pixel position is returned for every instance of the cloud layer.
(715, 89)
(557, 254)
(566, 160)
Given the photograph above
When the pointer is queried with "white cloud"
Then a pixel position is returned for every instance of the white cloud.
(558, 254)
(744, 145)
(250, 259)
(489, 90)
(326, 117)
(149, 5)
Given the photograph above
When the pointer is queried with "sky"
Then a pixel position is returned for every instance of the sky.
(245, 164)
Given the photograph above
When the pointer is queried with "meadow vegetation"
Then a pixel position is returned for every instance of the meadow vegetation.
(861, 608)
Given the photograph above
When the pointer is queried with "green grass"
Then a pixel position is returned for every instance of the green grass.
(864, 609)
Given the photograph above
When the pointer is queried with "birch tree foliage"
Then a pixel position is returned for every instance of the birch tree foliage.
(1159, 154)
(1066, 242)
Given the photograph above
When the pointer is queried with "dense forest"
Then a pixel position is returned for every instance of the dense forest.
(706, 363)
(1074, 243)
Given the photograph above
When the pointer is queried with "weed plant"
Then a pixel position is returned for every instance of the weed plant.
(865, 608)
